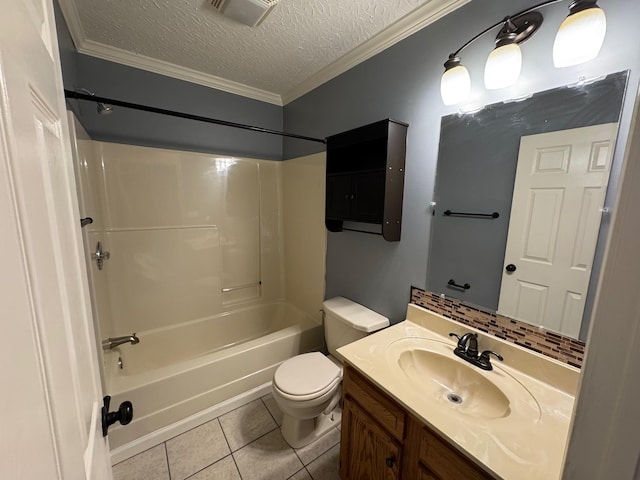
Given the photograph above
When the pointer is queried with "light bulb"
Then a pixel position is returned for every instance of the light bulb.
(580, 37)
(503, 67)
(455, 85)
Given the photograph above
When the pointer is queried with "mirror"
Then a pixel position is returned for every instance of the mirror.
(554, 140)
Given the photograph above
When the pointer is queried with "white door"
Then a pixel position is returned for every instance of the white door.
(560, 186)
(50, 393)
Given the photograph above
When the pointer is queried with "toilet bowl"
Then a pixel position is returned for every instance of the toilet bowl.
(307, 387)
(307, 390)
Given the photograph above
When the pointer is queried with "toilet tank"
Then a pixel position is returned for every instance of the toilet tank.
(346, 321)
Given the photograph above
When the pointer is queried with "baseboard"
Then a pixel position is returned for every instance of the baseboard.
(154, 438)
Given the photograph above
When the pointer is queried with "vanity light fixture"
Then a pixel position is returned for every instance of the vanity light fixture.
(578, 40)
(455, 85)
(505, 61)
(585, 27)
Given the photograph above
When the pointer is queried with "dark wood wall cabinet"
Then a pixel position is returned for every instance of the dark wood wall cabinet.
(365, 177)
(381, 441)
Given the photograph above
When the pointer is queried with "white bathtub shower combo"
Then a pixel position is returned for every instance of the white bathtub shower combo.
(196, 269)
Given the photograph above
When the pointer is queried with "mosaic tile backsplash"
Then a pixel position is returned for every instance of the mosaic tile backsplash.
(554, 345)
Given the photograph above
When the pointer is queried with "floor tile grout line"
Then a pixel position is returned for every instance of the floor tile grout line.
(307, 466)
(297, 472)
(144, 451)
(213, 463)
(320, 454)
(300, 459)
(210, 465)
(267, 407)
(296, 450)
(192, 429)
(308, 472)
(166, 456)
(254, 440)
(237, 467)
(242, 446)
(208, 421)
(229, 445)
(240, 406)
(225, 436)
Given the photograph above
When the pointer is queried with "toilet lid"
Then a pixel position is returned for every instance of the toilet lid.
(306, 374)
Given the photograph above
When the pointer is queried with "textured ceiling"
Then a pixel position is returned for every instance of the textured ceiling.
(296, 40)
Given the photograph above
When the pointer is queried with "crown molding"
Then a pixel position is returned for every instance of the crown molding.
(125, 57)
(406, 26)
(113, 54)
(72, 18)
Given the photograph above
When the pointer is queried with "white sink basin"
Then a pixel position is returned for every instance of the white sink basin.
(456, 386)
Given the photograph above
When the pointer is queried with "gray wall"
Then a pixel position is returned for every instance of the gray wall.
(403, 83)
(112, 80)
(148, 129)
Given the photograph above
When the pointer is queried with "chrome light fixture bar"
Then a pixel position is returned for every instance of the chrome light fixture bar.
(578, 40)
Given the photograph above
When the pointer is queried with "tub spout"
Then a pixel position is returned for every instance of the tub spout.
(110, 343)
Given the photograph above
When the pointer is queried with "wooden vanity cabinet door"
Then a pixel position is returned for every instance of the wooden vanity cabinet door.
(385, 411)
(424, 474)
(446, 462)
(367, 451)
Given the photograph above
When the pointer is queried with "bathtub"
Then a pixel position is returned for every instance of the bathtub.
(176, 372)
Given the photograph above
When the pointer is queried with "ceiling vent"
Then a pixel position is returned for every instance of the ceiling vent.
(249, 12)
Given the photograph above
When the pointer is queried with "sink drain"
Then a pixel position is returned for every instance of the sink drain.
(453, 398)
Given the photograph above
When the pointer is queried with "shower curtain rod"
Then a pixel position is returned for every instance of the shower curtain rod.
(172, 113)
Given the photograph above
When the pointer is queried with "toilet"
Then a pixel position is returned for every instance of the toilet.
(307, 387)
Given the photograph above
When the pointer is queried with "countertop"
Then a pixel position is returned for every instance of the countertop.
(526, 444)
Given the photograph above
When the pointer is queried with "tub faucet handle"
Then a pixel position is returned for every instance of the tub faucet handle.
(100, 256)
(113, 342)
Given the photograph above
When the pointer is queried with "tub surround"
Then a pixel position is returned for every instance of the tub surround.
(527, 443)
(197, 269)
(304, 233)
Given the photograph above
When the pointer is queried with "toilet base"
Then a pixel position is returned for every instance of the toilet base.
(300, 432)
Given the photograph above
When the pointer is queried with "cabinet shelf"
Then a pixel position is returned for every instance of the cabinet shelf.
(365, 177)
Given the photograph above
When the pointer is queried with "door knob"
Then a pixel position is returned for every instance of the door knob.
(390, 461)
(124, 414)
(510, 268)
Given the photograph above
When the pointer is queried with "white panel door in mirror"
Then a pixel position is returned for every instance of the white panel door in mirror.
(560, 187)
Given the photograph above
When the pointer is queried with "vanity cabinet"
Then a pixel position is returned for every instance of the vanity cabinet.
(380, 440)
(365, 177)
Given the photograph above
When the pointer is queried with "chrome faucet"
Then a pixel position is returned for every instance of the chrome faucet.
(467, 349)
(114, 342)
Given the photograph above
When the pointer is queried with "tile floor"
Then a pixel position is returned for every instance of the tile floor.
(244, 444)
